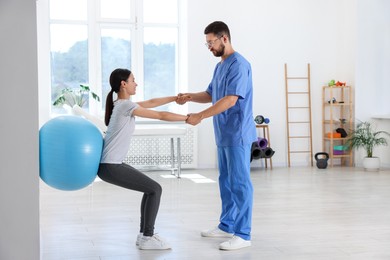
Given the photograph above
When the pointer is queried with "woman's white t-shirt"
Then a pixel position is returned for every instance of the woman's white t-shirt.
(119, 132)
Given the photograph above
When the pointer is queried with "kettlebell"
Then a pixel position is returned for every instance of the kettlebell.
(322, 163)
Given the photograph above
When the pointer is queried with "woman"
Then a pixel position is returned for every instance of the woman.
(120, 119)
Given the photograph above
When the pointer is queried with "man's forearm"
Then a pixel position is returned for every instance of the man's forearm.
(219, 107)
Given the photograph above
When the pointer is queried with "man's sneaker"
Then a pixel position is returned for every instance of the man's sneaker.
(153, 243)
(216, 232)
(139, 237)
(235, 243)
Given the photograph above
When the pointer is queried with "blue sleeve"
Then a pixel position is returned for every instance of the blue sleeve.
(237, 81)
(209, 89)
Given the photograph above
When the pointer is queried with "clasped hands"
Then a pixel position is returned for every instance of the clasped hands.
(192, 118)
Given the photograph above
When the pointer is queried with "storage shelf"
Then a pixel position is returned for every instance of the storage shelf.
(337, 104)
(331, 112)
(341, 156)
(335, 139)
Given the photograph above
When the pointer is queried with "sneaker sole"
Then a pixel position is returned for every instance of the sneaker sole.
(152, 248)
(225, 236)
(234, 248)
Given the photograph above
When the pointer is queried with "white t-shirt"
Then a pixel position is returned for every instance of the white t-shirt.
(119, 132)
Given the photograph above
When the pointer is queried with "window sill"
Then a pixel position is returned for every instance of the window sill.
(382, 117)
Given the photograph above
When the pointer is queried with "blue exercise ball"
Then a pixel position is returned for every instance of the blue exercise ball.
(70, 148)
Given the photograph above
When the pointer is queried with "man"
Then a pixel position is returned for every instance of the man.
(230, 92)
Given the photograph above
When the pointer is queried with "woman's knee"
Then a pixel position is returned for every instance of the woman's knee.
(153, 188)
(157, 189)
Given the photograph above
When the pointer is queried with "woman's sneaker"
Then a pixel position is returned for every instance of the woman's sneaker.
(153, 243)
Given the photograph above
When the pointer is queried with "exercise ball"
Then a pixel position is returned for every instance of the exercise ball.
(70, 148)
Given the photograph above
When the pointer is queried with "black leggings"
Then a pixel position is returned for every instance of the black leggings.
(125, 176)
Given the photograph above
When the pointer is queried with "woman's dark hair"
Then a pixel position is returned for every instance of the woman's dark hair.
(218, 28)
(116, 78)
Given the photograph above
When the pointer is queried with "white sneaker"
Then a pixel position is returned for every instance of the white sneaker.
(235, 243)
(153, 243)
(139, 237)
(216, 232)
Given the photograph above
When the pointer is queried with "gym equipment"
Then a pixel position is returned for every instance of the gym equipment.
(268, 152)
(70, 148)
(299, 132)
(322, 163)
(256, 152)
(259, 119)
(342, 132)
(339, 84)
(262, 142)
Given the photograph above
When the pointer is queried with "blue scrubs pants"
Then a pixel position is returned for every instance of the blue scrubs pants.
(236, 190)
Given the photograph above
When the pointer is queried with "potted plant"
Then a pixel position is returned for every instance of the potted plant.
(366, 137)
(71, 96)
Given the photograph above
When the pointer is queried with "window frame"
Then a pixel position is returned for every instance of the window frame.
(94, 26)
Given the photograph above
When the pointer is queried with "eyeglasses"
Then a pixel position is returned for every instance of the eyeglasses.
(211, 43)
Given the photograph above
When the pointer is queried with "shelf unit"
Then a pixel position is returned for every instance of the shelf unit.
(337, 112)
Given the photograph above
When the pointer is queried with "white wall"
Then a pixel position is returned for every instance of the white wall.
(373, 69)
(269, 34)
(19, 174)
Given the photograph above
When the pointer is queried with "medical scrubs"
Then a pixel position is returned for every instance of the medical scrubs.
(235, 132)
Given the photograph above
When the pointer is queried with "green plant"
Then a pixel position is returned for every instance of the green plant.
(71, 96)
(364, 136)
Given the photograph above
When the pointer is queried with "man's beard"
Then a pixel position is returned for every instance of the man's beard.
(220, 52)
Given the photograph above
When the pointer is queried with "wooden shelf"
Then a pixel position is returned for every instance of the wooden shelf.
(335, 138)
(331, 112)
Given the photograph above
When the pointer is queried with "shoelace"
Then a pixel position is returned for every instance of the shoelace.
(158, 238)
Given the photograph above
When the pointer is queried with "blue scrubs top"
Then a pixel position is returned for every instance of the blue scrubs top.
(235, 126)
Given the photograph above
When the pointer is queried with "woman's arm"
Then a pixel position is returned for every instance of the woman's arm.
(155, 102)
(161, 115)
(200, 97)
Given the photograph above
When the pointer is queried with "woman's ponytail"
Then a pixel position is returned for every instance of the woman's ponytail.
(116, 77)
(109, 107)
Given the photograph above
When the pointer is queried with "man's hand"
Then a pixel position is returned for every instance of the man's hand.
(194, 119)
(182, 98)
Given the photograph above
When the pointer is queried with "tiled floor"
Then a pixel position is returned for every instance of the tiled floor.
(299, 213)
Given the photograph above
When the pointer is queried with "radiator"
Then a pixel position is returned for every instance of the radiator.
(156, 151)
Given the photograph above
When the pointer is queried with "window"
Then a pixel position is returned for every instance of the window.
(88, 39)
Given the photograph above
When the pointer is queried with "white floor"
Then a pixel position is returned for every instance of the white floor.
(299, 213)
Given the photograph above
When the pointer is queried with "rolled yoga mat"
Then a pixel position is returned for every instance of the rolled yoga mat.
(256, 152)
(262, 142)
(268, 152)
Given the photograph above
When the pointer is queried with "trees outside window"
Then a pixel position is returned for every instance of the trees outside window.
(89, 39)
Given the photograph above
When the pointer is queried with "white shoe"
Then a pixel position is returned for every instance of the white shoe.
(235, 243)
(153, 243)
(216, 232)
(139, 237)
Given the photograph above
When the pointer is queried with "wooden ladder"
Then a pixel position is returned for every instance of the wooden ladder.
(298, 115)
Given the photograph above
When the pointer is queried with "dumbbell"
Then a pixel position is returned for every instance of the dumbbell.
(259, 119)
